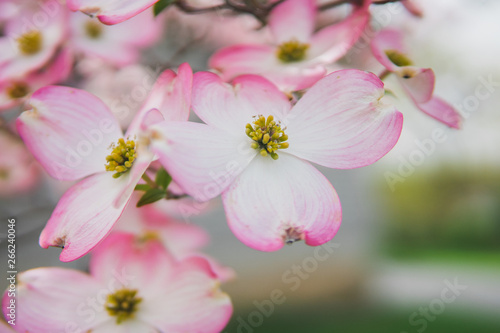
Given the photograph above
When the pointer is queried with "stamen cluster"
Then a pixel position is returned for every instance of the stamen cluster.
(122, 304)
(268, 136)
(292, 51)
(122, 157)
(398, 58)
(30, 43)
(93, 29)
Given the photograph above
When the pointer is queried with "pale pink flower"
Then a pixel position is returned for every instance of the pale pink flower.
(110, 11)
(417, 82)
(339, 123)
(16, 89)
(31, 38)
(118, 45)
(74, 135)
(297, 57)
(19, 172)
(134, 285)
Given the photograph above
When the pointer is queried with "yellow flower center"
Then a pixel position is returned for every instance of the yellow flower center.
(121, 158)
(122, 304)
(17, 90)
(398, 58)
(30, 43)
(292, 51)
(93, 29)
(267, 135)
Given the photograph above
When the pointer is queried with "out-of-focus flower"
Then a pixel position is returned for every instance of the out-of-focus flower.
(15, 90)
(134, 285)
(418, 83)
(118, 45)
(74, 135)
(18, 170)
(110, 11)
(31, 38)
(339, 123)
(181, 239)
(295, 60)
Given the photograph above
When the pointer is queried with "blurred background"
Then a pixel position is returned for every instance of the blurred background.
(419, 245)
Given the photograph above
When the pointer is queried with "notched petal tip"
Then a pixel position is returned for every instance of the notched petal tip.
(292, 235)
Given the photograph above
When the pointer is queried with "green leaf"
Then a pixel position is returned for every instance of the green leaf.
(161, 5)
(163, 178)
(142, 187)
(151, 195)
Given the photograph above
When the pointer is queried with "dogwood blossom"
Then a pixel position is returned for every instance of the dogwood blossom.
(134, 285)
(74, 135)
(295, 60)
(418, 83)
(255, 146)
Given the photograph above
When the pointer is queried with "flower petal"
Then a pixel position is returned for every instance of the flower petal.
(68, 131)
(332, 42)
(84, 215)
(276, 200)
(341, 123)
(190, 301)
(110, 11)
(55, 300)
(417, 82)
(388, 39)
(201, 159)
(229, 107)
(293, 20)
(442, 111)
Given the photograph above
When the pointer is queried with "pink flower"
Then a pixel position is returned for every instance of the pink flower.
(295, 60)
(134, 286)
(118, 45)
(110, 11)
(15, 90)
(31, 39)
(339, 123)
(418, 83)
(74, 135)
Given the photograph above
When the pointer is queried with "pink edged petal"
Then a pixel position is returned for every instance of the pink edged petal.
(68, 131)
(202, 160)
(130, 326)
(171, 94)
(6, 328)
(331, 43)
(293, 20)
(125, 260)
(110, 11)
(341, 123)
(417, 82)
(190, 301)
(229, 107)
(84, 215)
(388, 39)
(442, 111)
(55, 300)
(223, 273)
(414, 8)
(275, 201)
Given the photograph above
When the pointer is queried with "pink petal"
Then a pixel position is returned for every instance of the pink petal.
(413, 7)
(332, 42)
(190, 301)
(388, 39)
(55, 300)
(273, 196)
(6, 328)
(341, 123)
(201, 159)
(110, 11)
(442, 111)
(417, 82)
(84, 215)
(293, 20)
(229, 107)
(68, 131)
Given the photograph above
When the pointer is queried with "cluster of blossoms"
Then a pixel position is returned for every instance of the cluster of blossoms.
(269, 111)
